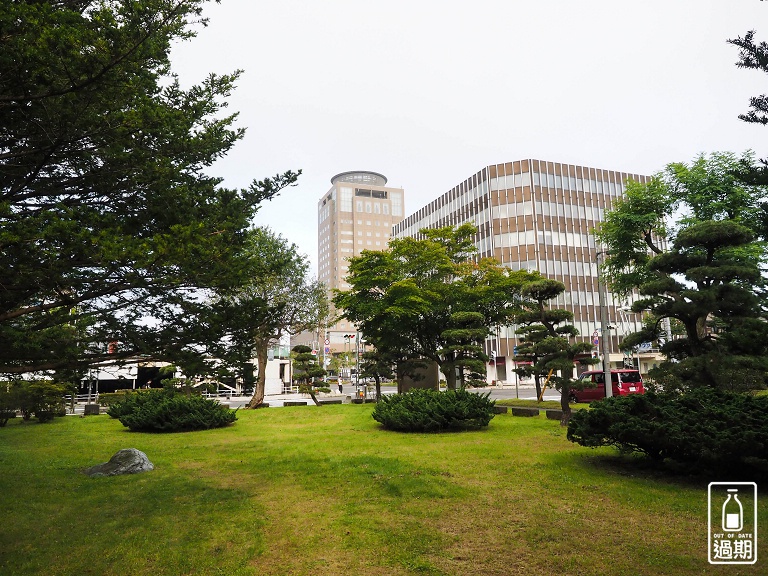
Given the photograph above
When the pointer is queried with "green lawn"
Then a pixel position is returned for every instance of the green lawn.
(324, 491)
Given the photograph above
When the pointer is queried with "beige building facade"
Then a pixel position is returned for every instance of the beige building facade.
(539, 215)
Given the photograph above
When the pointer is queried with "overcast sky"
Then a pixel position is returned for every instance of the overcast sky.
(428, 92)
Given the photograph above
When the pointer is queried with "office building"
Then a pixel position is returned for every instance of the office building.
(537, 215)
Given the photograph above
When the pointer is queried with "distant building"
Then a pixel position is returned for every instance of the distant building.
(356, 214)
(537, 215)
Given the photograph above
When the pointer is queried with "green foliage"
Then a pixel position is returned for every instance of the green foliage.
(705, 276)
(43, 399)
(110, 398)
(426, 410)
(426, 299)
(7, 403)
(704, 427)
(305, 366)
(168, 410)
(108, 211)
(278, 298)
(546, 343)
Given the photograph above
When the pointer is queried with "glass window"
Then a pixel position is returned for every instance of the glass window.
(345, 199)
(397, 204)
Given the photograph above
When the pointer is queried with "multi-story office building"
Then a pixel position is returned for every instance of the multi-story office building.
(537, 215)
(356, 214)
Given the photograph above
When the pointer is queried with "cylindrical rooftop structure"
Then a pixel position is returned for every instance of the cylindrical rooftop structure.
(361, 177)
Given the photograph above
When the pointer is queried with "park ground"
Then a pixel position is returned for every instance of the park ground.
(326, 491)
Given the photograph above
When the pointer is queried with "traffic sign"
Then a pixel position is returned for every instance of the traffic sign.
(327, 341)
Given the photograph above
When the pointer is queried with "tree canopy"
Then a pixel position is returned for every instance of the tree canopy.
(108, 214)
(754, 56)
(426, 298)
(278, 299)
(704, 270)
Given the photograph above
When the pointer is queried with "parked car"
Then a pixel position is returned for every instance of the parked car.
(625, 381)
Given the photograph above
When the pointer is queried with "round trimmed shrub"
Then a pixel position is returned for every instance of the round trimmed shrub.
(427, 410)
(170, 411)
(704, 427)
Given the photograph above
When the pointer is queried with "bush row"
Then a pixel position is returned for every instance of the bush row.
(704, 428)
(168, 410)
(426, 410)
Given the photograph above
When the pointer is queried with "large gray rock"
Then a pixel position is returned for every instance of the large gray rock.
(125, 461)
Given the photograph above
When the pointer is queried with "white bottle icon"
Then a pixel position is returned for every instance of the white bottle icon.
(733, 513)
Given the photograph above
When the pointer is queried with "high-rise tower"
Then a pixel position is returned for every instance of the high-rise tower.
(356, 214)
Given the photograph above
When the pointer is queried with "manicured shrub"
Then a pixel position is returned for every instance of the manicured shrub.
(109, 398)
(426, 410)
(703, 428)
(170, 411)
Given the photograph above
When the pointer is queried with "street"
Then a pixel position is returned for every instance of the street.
(497, 393)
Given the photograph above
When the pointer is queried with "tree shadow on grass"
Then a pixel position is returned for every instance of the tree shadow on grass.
(640, 466)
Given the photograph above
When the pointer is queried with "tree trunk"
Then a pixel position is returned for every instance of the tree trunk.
(261, 379)
(565, 405)
(450, 378)
(378, 388)
(537, 380)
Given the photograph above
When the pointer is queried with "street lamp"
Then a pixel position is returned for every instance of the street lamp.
(360, 342)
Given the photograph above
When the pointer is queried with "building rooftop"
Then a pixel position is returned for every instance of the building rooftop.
(361, 177)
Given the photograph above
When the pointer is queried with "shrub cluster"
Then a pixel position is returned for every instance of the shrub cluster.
(168, 410)
(43, 399)
(704, 427)
(109, 398)
(426, 410)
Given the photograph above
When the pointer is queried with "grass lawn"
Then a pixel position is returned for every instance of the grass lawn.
(324, 491)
